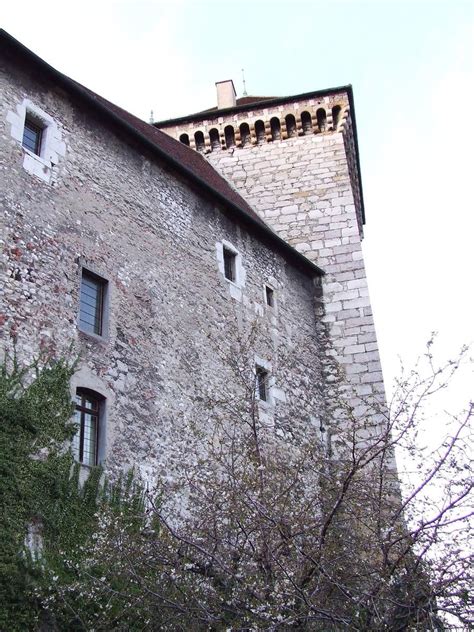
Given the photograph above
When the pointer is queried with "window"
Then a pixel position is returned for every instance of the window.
(269, 296)
(214, 138)
(261, 383)
(40, 137)
(321, 118)
(184, 138)
(306, 122)
(91, 314)
(336, 115)
(290, 125)
(260, 132)
(32, 136)
(275, 127)
(245, 136)
(229, 134)
(229, 264)
(85, 445)
(199, 140)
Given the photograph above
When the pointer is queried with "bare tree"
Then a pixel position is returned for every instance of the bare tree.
(301, 532)
(306, 530)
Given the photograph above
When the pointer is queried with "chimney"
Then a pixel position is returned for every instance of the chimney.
(225, 94)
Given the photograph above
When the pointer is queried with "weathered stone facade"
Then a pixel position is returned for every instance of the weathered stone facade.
(113, 208)
(306, 184)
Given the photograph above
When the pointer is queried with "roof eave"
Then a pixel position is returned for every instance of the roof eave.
(250, 106)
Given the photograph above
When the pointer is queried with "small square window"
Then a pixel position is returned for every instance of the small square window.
(269, 296)
(91, 313)
(261, 383)
(32, 136)
(229, 264)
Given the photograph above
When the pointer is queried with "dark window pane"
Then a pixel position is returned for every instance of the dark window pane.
(85, 441)
(269, 295)
(229, 264)
(262, 384)
(32, 136)
(91, 304)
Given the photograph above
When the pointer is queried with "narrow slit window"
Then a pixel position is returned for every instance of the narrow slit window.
(91, 314)
(269, 296)
(229, 264)
(261, 383)
(32, 136)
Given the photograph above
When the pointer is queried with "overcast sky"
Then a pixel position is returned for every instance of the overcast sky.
(411, 66)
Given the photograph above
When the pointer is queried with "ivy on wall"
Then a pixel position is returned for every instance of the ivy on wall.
(48, 521)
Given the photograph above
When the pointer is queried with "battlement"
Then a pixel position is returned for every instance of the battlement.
(263, 121)
(259, 121)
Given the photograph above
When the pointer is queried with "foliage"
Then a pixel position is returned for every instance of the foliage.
(35, 409)
(49, 520)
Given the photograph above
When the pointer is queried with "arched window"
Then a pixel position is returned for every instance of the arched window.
(199, 140)
(260, 132)
(184, 138)
(214, 138)
(245, 137)
(290, 125)
(336, 115)
(88, 416)
(229, 136)
(321, 118)
(306, 123)
(276, 128)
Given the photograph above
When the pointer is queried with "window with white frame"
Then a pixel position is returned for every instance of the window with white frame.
(230, 265)
(39, 135)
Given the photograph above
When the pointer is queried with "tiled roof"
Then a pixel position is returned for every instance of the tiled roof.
(192, 160)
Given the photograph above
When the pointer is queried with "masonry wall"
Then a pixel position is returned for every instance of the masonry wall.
(306, 189)
(173, 319)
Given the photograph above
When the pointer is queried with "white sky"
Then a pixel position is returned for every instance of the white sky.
(411, 65)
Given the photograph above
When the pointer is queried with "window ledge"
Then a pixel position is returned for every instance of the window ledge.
(92, 337)
(37, 157)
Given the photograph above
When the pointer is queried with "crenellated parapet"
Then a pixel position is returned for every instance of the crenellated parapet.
(258, 125)
(260, 121)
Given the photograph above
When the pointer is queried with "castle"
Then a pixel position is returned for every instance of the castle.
(154, 249)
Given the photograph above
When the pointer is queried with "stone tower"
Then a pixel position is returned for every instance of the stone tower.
(295, 159)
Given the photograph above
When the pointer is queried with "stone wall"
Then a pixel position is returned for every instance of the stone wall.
(173, 319)
(306, 188)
